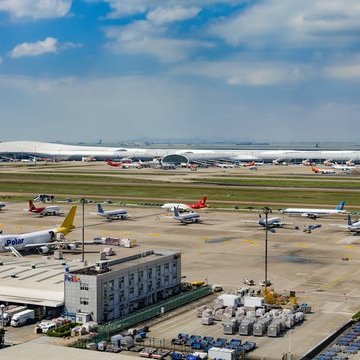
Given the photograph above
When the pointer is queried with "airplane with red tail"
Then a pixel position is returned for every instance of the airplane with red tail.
(185, 207)
(44, 210)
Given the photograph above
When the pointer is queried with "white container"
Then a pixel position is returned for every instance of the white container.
(253, 301)
(230, 300)
(224, 354)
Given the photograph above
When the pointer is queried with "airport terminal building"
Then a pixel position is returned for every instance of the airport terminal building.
(35, 149)
(112, 289)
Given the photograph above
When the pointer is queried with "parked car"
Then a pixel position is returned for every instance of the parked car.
(249, 282)
(262, 283)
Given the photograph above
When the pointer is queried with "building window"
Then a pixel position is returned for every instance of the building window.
(121, 296)
(121, 282)
(158, 283)
(141, 290)
(84, 286)
(131, 279)
(167, 278)
(84, 301)
(158, 270)
(166, 268)
(111, 297)
(150, 273)
(111, 284)
(141, 275)
(131, 291)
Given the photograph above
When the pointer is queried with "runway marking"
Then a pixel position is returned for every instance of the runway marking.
(154, 235)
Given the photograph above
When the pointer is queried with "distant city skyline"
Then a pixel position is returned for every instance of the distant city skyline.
(252, 70)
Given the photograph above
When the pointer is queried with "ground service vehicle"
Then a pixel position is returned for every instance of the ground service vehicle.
(23, 318)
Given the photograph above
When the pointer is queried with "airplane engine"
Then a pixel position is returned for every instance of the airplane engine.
(70, 247)
(43, 250)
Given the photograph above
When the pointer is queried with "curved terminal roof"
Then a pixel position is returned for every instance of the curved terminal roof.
(76, 152)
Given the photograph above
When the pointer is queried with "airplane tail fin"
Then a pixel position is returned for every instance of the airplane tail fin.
(340, 206)
(176, 212)
(349, 220)
(202, 201)
(31, 205)
(99, 209)
(68, 223)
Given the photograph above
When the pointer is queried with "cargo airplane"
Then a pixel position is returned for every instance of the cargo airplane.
(189, 218)
(111, 214)
(185, 207)
(315, 213)
(44, 210)
(43, 240)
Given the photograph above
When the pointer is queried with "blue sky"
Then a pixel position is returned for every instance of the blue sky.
(268, 70)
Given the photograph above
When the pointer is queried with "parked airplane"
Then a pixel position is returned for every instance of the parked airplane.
(316, 170)
(274, 222)
(2, 205)
(44, 210)
(315, 213)
(192, 217)
(125, 165)
(42, 240)
(328, 163)
(185, 207)
(343, 167)
(111, 214)
(353, 226)
(271, 222)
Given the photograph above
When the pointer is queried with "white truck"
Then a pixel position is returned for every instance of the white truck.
(10, 311)
(22, 318)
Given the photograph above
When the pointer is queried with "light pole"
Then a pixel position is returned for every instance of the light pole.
(2, 331)
(266, 211)
(2, 307)
(82, 201)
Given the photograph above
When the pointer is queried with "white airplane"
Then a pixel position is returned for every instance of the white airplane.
(317, 170)
(343, 167)
(111, 214)
(189, 218)
(314, 213)
(353, 226)
(2, 205)
(185, 207)
(42, 240)
(274, 222)
(44, 210)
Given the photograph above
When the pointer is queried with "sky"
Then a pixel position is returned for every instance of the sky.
(243, 70)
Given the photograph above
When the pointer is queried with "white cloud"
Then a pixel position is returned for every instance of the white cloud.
(249, 73)
(142, 37)
(350, 71)
(296, 23)
(36, 9)
(168, 15)
(120, 8)
(49, 45)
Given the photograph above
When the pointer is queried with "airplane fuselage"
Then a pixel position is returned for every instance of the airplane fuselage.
(311, 212)
(21, 241)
